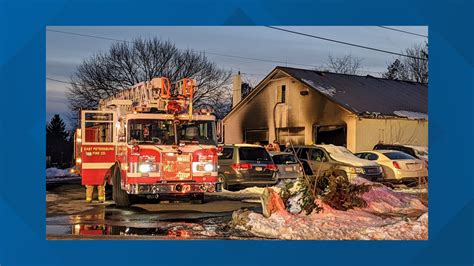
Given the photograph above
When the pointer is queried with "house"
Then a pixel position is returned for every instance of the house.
(306, 106)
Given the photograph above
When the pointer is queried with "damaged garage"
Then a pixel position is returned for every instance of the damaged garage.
(306, 106)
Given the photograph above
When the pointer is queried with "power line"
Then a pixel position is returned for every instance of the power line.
(88, 35)
(262, 60)
(207, 52)
(345, 43)
(404, 31)
(60, 81)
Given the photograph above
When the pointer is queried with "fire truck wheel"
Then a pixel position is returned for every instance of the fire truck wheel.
(119, 196)
(108, 192)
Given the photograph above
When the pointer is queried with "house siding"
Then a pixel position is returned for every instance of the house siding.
(402, 131)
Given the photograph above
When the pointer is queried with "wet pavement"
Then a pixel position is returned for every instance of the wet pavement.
(68, 216)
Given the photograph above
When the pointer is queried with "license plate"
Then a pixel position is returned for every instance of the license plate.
(289, 169)
(258, 169)
(370, 170)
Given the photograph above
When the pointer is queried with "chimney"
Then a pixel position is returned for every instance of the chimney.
(236, 89)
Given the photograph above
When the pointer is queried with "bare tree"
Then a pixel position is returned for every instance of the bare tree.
(126, 64)
(417, 64)
(347, 64)
(413, 68)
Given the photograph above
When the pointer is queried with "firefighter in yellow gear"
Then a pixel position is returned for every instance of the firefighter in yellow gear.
(90, 192)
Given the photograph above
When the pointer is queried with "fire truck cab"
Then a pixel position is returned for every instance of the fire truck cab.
(148, 141)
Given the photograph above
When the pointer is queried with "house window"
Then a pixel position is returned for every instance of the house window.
(281, 94)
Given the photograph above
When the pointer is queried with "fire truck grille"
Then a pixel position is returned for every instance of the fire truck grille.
(176, 167)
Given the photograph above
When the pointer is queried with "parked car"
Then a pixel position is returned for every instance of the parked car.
(288, 165)
(326, 159)
(246, 165)
(419, 152)
(398, 167)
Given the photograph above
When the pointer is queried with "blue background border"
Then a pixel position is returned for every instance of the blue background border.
(22, 131)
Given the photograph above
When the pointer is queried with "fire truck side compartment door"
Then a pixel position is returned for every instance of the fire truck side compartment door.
(99, 137)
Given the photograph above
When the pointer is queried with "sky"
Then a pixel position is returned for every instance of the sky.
(64, 52)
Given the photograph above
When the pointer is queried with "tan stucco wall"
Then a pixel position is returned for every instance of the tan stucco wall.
(372, 131)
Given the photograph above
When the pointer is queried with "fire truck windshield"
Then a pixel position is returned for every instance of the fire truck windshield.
(161, 132)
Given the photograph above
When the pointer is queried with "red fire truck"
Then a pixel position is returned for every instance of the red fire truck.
(148, 141)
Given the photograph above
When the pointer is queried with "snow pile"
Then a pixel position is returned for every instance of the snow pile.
(336, 225)
(411, 115)
(256, 190)
(249, 194)
(412, 190)
(57, 173)
(382, 200)
(389, 215)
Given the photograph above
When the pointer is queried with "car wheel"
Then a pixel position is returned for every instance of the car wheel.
(223, 180)
(340, 174)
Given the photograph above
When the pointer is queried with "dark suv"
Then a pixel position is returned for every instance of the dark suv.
(246, 165)
(325, 160)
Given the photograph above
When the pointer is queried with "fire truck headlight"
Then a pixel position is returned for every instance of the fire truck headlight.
(208, 167)
(144, 168)
(203, 167)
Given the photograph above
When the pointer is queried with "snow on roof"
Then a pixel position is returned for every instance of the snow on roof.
(411, 115)
(330, 91)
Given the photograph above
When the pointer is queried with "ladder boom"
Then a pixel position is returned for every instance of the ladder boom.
(157, 93)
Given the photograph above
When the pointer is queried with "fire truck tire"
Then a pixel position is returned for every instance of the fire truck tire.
(108, 192)
(120, 197)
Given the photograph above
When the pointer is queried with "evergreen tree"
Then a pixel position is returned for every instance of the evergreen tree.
(396, 70)
(58, 146)
(57, 129)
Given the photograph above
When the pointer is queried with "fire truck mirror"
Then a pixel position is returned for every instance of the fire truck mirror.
(220, 131)
(121, 135)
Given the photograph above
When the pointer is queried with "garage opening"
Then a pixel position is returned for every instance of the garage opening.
(253, 136)
(336, 135)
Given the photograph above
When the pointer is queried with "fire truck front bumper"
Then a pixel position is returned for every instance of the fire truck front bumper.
(173, 188)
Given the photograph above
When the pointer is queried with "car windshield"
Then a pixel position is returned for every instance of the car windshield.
(284, 159)
(396, 155)
(254, 154)
(154, 131)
